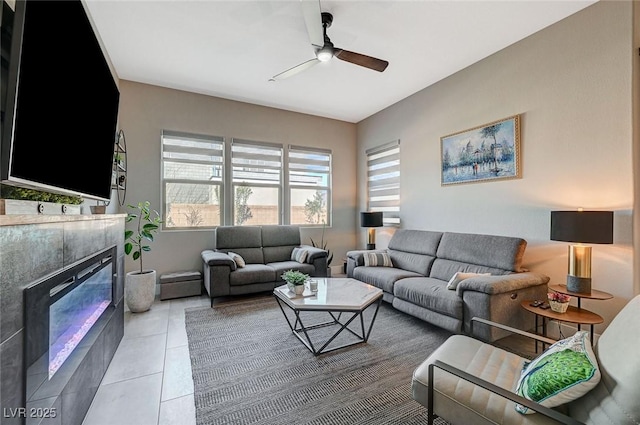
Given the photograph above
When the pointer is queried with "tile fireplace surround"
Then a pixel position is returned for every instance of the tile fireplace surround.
(34, 247)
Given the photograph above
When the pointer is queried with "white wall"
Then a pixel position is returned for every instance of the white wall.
(146, 110)
(571, 83)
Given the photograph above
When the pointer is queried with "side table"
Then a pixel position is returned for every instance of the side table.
(576, 315)
(594, 295)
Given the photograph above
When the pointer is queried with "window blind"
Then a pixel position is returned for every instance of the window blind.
(383, 181)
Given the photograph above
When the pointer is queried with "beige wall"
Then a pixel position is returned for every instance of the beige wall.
(146, 110)
(635, 54)
(571, 83)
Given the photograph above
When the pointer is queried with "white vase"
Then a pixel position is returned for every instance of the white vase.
(140, 290)
(296, 289)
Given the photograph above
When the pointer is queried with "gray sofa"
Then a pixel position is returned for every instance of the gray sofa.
(424, 262)
(266, 251)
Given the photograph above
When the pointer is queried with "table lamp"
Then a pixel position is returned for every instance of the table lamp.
(581, 227)
(371, 220)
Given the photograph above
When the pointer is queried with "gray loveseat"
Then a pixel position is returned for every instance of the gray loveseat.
(425, 261)
(266, 251)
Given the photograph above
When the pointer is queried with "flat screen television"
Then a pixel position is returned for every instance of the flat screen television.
(61, 110)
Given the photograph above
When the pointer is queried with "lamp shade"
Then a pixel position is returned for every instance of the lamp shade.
(582, 226)
(371, 219)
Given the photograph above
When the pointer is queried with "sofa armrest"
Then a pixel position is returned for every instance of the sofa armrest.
(500, 284)
(356, 259)
(314, 253)
(358, 255)
(213, 258)
(489, 386)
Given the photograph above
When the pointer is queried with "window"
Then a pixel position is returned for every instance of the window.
(309, 185)
(383, 181)
(193, 180)
(257, 182)
(208, 181)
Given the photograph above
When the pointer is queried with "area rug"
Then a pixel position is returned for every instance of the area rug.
(248, 368)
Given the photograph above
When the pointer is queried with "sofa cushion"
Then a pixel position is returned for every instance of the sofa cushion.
(274, 254)
(500, 252)
(381, 277)
(249, 255)
(278, 242)
(417, 263)
(230, 237)
(429, 293)
(283, 266)
(414, 250)
(252, 273)
(416, 241)
(445, 269)
(278, 235)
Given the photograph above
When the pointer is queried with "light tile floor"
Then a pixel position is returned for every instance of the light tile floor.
(149, 379)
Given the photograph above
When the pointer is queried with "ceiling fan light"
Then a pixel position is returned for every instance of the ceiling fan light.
(324, 54)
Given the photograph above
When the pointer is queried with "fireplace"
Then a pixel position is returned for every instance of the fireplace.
(65, 314)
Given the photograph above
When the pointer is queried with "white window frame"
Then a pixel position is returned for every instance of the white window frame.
(320, 164)
(383, 181)
(164, 180)
(268, 147)
(227, 184)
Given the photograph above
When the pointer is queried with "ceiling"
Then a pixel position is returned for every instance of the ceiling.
(231, 49)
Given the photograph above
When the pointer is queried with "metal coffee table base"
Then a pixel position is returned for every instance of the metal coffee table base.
(302, 332)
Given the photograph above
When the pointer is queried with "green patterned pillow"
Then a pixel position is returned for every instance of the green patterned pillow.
(565, 372)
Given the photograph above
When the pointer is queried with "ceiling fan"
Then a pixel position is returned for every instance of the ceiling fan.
(317, 23)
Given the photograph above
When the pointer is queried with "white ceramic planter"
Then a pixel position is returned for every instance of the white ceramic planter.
(140, 290)
(297, 289)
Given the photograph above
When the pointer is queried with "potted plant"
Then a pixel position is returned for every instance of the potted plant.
(295, 280)
(558, 302)
(323, 245)
(140, 285)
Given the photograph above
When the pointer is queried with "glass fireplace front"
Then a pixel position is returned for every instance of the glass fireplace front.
(61, 311)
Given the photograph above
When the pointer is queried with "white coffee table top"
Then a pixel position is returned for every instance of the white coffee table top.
(333, 294)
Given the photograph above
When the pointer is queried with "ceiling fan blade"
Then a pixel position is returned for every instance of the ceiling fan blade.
(360, 59)
(313, 20)
(295, 70)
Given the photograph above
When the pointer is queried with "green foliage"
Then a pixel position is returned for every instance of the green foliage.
(243, 212)
(295, 277)
(314, 209)
(13, 192)
(323, 245)
(147, 223)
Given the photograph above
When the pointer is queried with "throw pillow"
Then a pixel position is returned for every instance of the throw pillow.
(299, 255)
(460, 276)
(236, 259)
(377, 259)
(565, 372)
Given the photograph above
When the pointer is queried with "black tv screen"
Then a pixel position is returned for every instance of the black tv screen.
(62, 103)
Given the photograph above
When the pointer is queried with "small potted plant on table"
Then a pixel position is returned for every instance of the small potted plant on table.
(295, 280)
(558, 302)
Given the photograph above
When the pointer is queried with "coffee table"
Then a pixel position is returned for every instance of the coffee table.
(337, 297)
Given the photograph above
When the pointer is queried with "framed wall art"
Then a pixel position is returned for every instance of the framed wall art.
(484, 153)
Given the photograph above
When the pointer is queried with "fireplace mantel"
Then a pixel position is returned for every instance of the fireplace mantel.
(20, 219)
